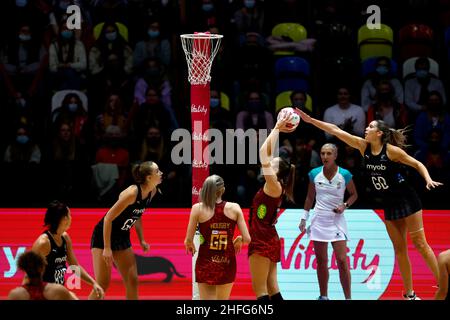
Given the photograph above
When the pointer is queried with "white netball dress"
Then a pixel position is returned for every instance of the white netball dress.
(326, 225)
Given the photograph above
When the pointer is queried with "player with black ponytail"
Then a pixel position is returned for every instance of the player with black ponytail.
(382, 149)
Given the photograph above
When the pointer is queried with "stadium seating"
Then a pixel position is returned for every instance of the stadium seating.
(290, 32)
(225, 101)
(291, 73)
(415, 40)
(283, 99)
(123, 30)
(375, 42)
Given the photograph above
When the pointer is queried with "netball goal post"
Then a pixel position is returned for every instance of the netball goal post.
(199, 48)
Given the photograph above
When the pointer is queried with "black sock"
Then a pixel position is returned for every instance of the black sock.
(263, 298)
(277, 297)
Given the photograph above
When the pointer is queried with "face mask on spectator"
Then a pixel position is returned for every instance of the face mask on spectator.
(24, 37)
(73, 107)
(422, 74)
(67, 34)
(207, 7)
(249, 3)
(382, 70)
(22, 139)
(214, 102)
(111, 36)
(153, 34)
(21, 3)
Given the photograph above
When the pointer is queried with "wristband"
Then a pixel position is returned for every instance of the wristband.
(305, 215)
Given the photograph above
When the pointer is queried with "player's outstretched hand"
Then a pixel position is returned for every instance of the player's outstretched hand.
(433, 184)
(305, 117)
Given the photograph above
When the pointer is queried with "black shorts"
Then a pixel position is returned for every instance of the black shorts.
(401, 204)
(118, 241)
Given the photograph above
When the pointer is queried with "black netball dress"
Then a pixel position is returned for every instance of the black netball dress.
(121, 225)
(56, 267)
(389, 187)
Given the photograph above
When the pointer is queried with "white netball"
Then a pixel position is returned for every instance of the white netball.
(295, 116)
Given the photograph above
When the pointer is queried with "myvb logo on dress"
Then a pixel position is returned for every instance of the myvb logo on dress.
(138, 212)
(379, 167)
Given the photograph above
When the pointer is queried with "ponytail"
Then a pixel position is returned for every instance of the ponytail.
(213, 187)
(32, 264)
(289, 186)
(287, 181)
(396, 137)
(140, 171)
(286, 176)
(56, 211)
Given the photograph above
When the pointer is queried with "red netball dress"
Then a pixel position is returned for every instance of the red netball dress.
(36, 292)
(263, 217)
(216, 261)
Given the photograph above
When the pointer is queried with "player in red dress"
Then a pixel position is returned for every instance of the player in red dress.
(264, 249)
(33, 286)
(215, 268)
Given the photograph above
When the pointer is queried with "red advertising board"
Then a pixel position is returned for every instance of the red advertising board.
(166, 271)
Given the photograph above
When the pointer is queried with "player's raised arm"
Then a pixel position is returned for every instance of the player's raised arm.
(353, 141)
(399, 155)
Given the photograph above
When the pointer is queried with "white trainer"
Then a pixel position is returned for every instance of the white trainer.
(411, 297)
